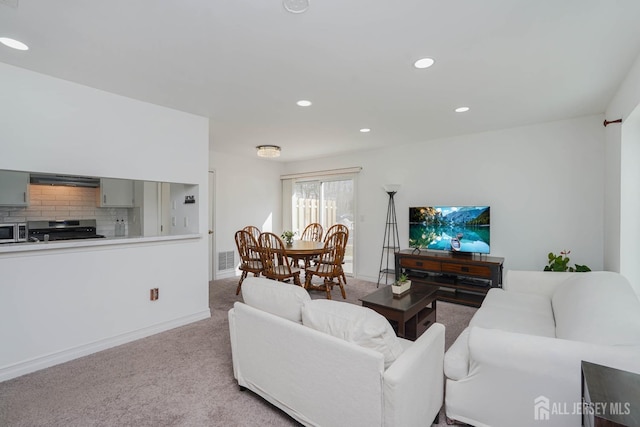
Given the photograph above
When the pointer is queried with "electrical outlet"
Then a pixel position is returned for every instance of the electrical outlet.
(154, 294)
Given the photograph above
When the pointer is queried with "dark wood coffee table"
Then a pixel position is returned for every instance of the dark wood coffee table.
(411, 314)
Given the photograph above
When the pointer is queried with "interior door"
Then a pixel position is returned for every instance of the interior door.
(212, 258)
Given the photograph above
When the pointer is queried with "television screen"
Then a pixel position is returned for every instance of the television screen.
(450, 228)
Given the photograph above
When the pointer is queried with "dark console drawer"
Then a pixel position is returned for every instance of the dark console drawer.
(420, 264)
(462, 269)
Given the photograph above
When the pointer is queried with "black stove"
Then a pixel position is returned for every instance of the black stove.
(68, 229)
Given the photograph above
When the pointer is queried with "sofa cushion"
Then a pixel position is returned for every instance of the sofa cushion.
(525, 313)
(598, 307)
(353, 323)
(278, 298)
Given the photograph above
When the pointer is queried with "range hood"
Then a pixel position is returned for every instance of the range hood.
(64, 180)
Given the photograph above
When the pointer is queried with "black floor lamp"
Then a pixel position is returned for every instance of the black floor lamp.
(391, 242)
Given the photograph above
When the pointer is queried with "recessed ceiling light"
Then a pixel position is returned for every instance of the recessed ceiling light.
(303, 103)
(365, 130)
(424, 63)
(15, 44)
(461, 109)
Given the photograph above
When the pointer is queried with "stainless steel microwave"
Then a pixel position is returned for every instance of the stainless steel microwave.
(13, 233)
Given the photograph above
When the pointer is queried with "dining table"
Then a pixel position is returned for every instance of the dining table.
(305, 250)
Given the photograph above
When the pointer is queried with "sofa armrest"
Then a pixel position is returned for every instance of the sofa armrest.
(231, 315)
(544, 356)
(456, 358)
(414, 383)
(536, 282)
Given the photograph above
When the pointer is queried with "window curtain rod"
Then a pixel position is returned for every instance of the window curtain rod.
(343, 171)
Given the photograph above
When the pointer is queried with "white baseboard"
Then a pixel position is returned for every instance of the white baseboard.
(35, 364)
(225, 274)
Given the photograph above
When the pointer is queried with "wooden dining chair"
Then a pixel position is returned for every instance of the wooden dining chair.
(248, 250)
(337, 227)
(334, 228)
(255, 231)
(275, 259)
(312, 232)
(330, 265)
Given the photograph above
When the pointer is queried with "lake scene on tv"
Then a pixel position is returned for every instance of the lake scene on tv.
(463, 229)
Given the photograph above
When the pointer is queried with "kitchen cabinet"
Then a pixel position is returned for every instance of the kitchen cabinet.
(14, 188)
(116, 193)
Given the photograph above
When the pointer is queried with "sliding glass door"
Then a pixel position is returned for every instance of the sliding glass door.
(328, 202)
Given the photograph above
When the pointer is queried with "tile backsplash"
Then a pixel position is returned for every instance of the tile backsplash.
(47, 202)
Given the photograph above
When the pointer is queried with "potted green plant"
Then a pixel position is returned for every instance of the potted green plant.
(402, 285)
(288, 236)
(561, 263)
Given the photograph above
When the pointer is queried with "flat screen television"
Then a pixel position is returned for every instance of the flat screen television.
(461, 229)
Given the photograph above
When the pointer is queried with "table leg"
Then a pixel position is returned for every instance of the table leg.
(307, 263)
(401, 327)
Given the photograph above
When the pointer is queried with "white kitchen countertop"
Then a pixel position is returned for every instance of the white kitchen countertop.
(85, 243)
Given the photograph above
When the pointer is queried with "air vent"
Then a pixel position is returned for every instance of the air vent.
(225, 260)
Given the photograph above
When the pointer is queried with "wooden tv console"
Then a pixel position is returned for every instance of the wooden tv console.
(463, 278)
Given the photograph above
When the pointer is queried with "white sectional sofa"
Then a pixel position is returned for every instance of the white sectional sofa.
(331, 363)
(526, 342)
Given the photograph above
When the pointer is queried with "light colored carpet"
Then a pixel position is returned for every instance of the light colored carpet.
(182, 377)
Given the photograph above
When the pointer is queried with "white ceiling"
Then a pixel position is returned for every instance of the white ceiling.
(245, 63)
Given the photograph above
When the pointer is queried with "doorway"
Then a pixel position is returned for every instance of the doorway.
(212, 266)
(328, 202)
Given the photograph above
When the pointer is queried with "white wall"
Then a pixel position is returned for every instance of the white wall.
(50, 313)
(544, 184)
(621, 184)
(247, 192)
(630, 198)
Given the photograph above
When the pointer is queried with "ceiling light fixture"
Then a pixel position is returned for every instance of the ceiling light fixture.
(424, 63)
(269, 151)
(15, 44)
(461, 109)
(365, 130)
(303, 103)
(295, 6)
